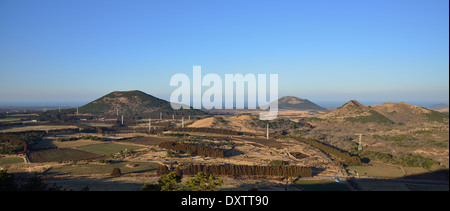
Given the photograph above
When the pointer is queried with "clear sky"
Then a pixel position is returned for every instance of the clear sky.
(323, 50)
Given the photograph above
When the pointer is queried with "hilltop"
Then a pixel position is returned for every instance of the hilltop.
(133, 103)
(391, 131)
(295, 103)
(351, 109)
(406, 113)
(354, 111)
(388, 113)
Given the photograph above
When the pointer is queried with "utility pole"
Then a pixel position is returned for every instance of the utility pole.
(122, 120)
(160, 115)
(77, 110)
(182, 122)
(267, 131)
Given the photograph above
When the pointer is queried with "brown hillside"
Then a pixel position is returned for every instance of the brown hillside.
(402, 112)
(351, 109)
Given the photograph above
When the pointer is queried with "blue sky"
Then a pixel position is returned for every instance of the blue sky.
(323, 50)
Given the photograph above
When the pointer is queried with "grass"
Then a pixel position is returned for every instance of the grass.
(90, 169)
(108, 148)
(59, 155)
(437, 117)
(374, 117)
(10, 160)
(149, 141)
(375, 185)
(9, 119)
(38, 127)
(383, 171)
(322, 185)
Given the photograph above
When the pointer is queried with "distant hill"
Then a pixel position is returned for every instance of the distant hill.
(440, 106)
(445, 110)
(295, 103)
(352, 108)
(387, 113)
(403, 113)
(134, 103)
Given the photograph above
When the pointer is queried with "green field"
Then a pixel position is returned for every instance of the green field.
(10, 160)
(60, 155)
(377, 170)
(322, 185)
(89, 169)
(108, 148)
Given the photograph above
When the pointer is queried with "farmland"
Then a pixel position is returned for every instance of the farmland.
(108, 148)
(10, 160)
(302, 153)
(86, 169)
(60, 155)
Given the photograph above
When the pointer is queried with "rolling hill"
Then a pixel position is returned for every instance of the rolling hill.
(406, 113)
(387, 113)
(352, 108)
(295, 103)
(134, 103)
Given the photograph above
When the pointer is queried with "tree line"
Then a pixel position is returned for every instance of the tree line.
(89, 137)
(346, 157)
(16, 142)
(241, 170)
(193, 149)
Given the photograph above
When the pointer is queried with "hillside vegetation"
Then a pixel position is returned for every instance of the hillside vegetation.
(132, 103)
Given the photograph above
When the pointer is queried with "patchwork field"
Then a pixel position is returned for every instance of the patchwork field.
(322, 185)
(377, 170)
(126, 167)
(75, 159)
(108, 148)
(61, 155)
(38, 127)
(148, 141)
(10, 160)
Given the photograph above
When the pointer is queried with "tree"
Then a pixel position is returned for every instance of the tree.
(116, 172)
(170, 182)
(150, 187)
(35, 183)
(7, 181)
(204, 182)
(162, 170)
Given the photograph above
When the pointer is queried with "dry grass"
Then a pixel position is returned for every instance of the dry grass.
(40, 127)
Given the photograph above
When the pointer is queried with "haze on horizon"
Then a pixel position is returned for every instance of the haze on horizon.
(73, 52)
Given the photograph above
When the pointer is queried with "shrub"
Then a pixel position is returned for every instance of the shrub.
(204, 182)
(116, 172)
(170, 182)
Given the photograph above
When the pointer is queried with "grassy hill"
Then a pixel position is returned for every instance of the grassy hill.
(295, 103)
(387, 113)
(134, 103)
(354, 111)
(406, 113)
